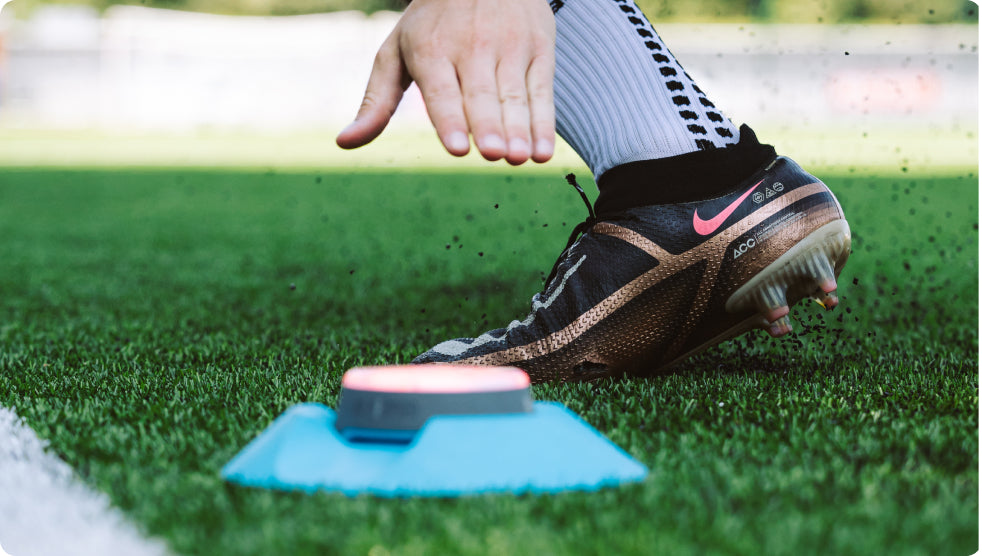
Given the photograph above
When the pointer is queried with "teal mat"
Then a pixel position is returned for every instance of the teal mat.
(548, 450)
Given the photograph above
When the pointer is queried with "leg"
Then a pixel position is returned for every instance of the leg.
(701, 233)
(621, 96)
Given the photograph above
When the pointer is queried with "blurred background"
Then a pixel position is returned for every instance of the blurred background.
(884, 83)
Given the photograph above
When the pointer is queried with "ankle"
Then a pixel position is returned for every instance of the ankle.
(683, 178)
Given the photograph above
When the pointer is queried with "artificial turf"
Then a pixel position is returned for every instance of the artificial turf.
(153, 322)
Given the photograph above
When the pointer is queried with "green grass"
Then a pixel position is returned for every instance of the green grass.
(153, 322)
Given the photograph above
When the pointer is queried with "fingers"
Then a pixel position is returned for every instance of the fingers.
(386, 84)
(542, 111)
(507, 118)
(510, 110)
(481, 106)
(513, 98)
(437, 81)
(525, 81)
(485, 69)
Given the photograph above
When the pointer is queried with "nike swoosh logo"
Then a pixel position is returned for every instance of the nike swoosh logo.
(706, 227)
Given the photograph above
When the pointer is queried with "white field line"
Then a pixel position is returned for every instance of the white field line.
(45, 510)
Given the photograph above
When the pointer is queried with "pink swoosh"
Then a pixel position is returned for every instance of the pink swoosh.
(706, 227)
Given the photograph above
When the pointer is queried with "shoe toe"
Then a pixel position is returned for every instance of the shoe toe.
(447, 351)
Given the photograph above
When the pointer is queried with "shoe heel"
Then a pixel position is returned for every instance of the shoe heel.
(808, 269)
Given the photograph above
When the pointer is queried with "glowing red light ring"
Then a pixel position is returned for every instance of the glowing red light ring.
(435, 378)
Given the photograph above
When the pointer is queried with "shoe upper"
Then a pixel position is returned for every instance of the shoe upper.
(643, 286)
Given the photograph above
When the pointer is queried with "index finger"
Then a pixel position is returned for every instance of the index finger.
(386, 84)
(437, 82)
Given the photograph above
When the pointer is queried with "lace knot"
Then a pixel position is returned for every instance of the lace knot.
(571, 179)
(579, 229)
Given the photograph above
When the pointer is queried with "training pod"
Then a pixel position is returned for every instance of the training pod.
(432, 430)
(391, 404)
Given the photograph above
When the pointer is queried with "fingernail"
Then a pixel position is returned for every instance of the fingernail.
(492, 143)
(457, 141)
(518, 145)
(543, 148)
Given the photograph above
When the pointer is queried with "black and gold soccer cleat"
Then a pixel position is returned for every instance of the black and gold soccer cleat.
(643, 288)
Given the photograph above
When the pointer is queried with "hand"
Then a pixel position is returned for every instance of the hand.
(484, 68)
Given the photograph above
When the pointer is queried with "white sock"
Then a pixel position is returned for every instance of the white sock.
(620, 94)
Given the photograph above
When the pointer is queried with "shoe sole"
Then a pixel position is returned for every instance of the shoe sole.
(807, 269)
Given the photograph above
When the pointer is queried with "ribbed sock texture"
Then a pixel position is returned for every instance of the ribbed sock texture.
(620, 94)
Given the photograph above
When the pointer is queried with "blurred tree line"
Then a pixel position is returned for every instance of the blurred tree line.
(763, 11)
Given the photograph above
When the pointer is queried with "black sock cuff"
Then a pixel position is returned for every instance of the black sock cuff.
(683, 178)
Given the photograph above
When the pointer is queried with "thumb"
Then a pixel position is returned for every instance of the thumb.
(387, 83)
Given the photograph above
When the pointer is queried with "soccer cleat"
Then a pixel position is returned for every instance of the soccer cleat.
(642, 289)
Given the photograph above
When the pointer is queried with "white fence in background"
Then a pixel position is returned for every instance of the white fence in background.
(141, 69)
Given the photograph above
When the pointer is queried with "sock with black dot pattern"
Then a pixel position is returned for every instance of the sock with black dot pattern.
(621, 96)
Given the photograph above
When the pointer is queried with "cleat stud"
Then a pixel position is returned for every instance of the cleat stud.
(772, 302)
(820, 270)
(830, 300)
(780, 327)
(776, 314)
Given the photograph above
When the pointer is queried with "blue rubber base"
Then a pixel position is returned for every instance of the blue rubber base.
(548, 450)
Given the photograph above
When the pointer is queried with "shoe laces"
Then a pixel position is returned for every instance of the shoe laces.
(578, 230)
